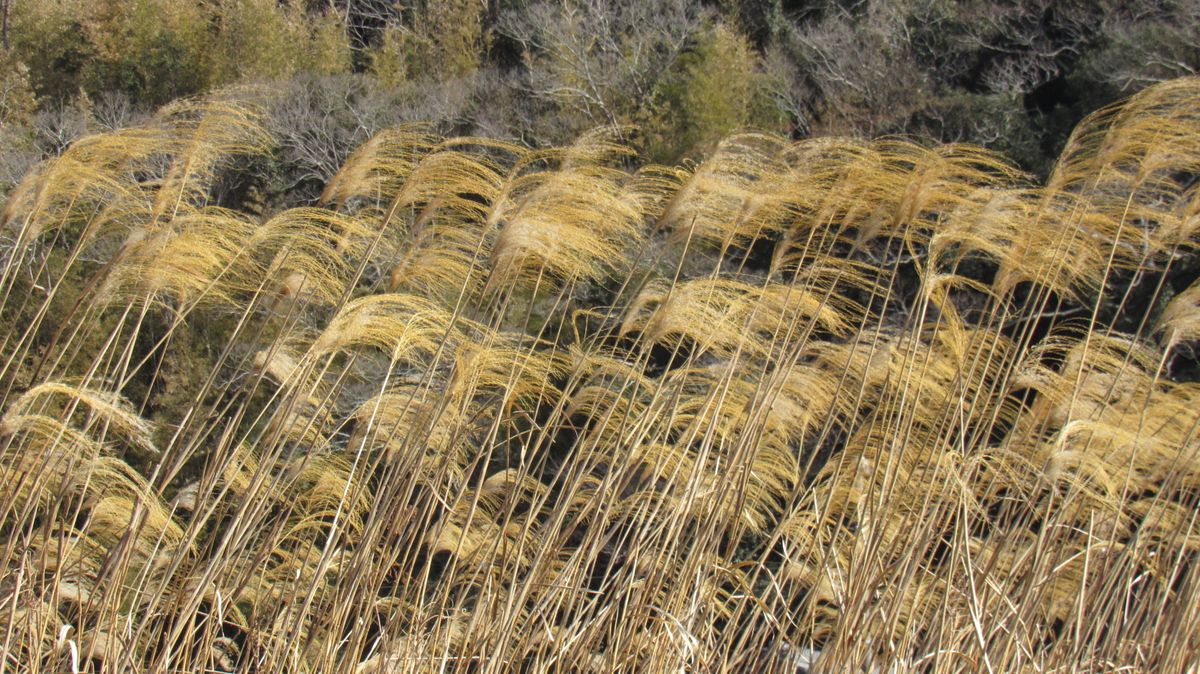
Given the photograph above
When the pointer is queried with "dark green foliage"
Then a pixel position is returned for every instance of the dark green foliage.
(1014, 75)
(715, 88)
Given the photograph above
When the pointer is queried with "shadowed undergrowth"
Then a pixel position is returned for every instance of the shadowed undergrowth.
(486, 408)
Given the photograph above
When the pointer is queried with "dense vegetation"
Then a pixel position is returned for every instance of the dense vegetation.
(1011, 75)
(486, 407)
(599, 335)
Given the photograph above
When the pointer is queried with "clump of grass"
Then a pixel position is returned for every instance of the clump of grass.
(848, 404)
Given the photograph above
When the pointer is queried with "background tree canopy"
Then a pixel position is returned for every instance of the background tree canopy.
(1014, 75)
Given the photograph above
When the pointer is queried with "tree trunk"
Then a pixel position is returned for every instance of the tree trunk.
(5, 9)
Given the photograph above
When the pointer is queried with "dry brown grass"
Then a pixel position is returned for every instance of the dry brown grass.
(492, 409)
